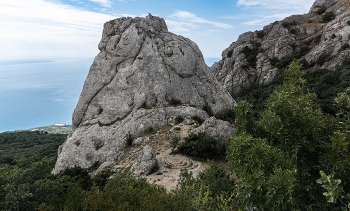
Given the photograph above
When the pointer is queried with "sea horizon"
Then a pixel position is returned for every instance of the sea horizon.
(40, 92)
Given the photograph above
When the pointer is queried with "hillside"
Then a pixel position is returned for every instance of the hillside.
(318, 39)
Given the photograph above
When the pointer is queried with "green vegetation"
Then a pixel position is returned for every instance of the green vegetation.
(211, 190)
(260, 34)
(324, 57)
(321, 10)
(207, 108)
(279, 154)
(175, 142)
(198, 119)
(250, 53)
(178, 119)
(345, 46)
(175, 102)
(328, 16)
(18, 145)
(226, 115)
(30, 186)
(199, 145)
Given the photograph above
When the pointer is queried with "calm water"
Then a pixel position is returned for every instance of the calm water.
(36, 93)
(39, 92)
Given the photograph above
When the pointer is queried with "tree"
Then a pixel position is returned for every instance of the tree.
(278, 157)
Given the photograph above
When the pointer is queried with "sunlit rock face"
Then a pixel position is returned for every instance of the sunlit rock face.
(143, 77)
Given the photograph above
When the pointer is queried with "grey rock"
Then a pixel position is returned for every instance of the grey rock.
(146, 162)
(219, 129)
(280, 41)
(141, 70)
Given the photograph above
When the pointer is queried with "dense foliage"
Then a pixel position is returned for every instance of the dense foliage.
(17, 145)
(278, 156)
(199, 145)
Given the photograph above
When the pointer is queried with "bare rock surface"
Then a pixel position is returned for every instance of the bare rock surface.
(298, 36)
(143, 77)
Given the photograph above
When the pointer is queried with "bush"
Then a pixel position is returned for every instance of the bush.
(207, 108)
(328, 16)
(175, 142)
(348, 22)
(322, 59)
(178, 119)
(345, 46)
(226, 115)
(317, 39)
(260, 34)
(199, 145)
(250, 53)
(198, 119)
(175, 102)
(321, 10)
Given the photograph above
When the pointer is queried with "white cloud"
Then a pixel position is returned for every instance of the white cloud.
(36, 28)
(190, 17)
(268, 11)
(104, 3)
(300, 6)
(180, 26)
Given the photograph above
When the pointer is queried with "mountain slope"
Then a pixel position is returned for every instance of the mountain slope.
(320, 39)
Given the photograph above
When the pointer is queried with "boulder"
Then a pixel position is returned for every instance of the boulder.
(146, 162)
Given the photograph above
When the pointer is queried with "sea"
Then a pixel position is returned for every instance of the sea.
(40, 92)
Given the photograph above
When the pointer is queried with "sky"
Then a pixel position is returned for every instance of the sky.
(47, 46)
(73, 28)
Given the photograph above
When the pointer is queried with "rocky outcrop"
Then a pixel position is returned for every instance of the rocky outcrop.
(143, 77)
(219, 129)
(145, 163)
(260, 55)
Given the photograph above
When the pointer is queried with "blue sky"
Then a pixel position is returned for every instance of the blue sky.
(37, 29)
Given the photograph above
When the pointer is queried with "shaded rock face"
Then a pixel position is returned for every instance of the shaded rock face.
(286, 38)
(142, 77)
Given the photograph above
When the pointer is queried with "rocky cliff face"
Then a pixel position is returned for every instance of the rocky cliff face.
(320, 39)
(143, 77)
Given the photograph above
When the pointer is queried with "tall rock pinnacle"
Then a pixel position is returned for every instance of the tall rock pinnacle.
(143, 77)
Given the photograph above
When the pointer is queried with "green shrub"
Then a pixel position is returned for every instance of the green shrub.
(250, 53)
(293, 31)
(199, 145)
(317, 39)
(274, 61)
(345, 46)
(175, 142)
(333, 36)
(129, 139)
(328, 16)
(178, 119)
(175, 102)
(308, 41)
(226, 115)
(321, 10)
(348, 22)
(260, 34)
(322, 59)
(207, 108)
(198, 119)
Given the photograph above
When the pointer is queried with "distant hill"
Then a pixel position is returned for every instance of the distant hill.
(22, 144)
(53, 129)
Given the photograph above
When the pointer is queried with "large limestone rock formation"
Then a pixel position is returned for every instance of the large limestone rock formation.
(250, 58)
(143, 77)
